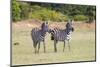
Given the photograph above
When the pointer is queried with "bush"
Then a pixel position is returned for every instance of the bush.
(57, 16)
(53, 12)
(25, 9)
(80, 18)
(15, 10)
(46, 14)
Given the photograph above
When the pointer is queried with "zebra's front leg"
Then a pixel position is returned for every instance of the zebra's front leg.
(34, 45)
(44, 46)
(38, 47)
(64, 46)
(55, 48)
(35, 51)
(68, 45)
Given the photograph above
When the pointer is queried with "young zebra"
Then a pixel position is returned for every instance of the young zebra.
(62, 35)
(38, 35)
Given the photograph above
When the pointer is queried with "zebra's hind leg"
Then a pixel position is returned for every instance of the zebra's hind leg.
(68, 45)
(38, 47)
(64, 46)
(35, 45)
(55, 48)
(44, 46)
(35, 50)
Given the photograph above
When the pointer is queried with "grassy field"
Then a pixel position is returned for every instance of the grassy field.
(82, 47)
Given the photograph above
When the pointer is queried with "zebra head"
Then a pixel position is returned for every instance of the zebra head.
(45, 27)
(69, 27)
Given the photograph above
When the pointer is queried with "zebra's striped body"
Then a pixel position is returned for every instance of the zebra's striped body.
(59, 35)
(62, 35)
(38, 35)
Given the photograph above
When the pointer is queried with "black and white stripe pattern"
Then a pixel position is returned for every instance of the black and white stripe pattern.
(38, 35)
(62, 35)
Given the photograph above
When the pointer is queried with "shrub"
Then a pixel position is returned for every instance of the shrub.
(80, 17)
(15, 10)
(46, 14)
(24, 10)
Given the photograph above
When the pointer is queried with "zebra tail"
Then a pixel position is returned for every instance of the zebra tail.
(52, 38)
(52, 35)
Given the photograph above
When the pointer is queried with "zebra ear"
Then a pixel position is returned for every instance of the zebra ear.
(42, 25)
(46, 22)
(71, 20)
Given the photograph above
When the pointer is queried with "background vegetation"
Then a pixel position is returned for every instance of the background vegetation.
(51, 11)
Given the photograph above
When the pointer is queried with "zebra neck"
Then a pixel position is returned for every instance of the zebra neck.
(67, 31)
(43, 32)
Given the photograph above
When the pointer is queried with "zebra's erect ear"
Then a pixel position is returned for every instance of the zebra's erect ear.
(46, 22)
(42, 25)
(69, 21)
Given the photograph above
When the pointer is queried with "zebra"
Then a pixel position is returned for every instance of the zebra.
(62, 35)
(38, 35)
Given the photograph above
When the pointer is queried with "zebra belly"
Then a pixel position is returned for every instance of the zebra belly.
(60, 38)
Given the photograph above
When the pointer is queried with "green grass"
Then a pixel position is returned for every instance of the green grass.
(82, 48)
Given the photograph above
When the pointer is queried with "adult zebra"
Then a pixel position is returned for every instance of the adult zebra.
(62, 35)
(38, 35)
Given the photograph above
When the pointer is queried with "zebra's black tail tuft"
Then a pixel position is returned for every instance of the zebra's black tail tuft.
(52, 34)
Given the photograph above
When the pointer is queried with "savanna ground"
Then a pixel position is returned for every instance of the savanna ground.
(82, 45)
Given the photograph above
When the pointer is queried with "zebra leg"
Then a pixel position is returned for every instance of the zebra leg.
(68, 45)
(38, 47)
(44, 46)
(34, 49)
(35, 45)
(55, 48)
(64, 46)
